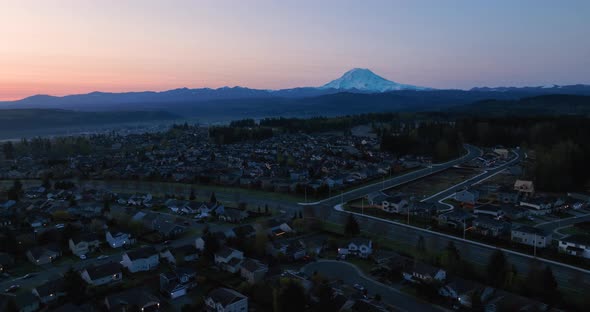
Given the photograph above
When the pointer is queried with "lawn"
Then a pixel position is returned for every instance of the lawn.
(435, 183)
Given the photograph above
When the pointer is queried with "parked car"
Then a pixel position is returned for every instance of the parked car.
(83, 257)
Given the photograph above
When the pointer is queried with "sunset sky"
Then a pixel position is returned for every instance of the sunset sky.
(63, 47)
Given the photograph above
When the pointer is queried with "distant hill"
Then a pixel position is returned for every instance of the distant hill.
(543, 105)
(16, 120)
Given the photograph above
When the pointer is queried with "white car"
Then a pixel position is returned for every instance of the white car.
(83, 257)
(102, 257)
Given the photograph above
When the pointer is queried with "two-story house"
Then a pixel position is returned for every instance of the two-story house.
(229, 259)
(253, 270)
(226, 300)
(531, 236)
(142, 259)
(43, 254)
(117, 239)
(84, 244)
(102, 274)
(360, 247)
(575, 245)
(50, 291)
(177, 283)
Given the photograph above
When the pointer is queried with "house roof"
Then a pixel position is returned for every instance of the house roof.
(425, 269)
(96, 272)
(85, 237)
(578, 239)
(225, 252)
(39, 251)
(141, 253)
(252, 265)
(134, 296)
(244, 230)
(530, 230)
(50, 287)
(488, 207)
(185, 249)
(225, 296)
(360, 241)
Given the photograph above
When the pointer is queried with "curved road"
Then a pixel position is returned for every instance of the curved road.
(472, 152)
(351, 274)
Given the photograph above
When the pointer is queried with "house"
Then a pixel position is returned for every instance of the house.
(502, 152)
(118, 239)
(102, 274)
(50, 291)
(537, 206)
(524, 187)
(177, 283)
(361, 247)
(292, 249)
(575, 245)
(244, 231)
(226, 300)
(6, 261)
(229, 259)
(253, 270)
(531, 236)
(131, 300)
(463, 291)
(424, 273)
(467, 196)
(180, 254)
(510, 302)
(489, 210)
(143, 259)
(391, 204)
(490, 227)
(278, 228)
(43, 255)
(177, 205)
(24, 301)
(514, 213)
(456, 219)
(232, 215)
(200, 244)
(506, 195)
(84, 244)
(167, 228)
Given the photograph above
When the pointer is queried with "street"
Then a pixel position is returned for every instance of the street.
(351, 275)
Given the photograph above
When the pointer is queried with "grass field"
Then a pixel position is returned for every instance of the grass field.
(434, 183)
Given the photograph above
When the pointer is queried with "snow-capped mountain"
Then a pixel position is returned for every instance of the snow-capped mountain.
(363, 79)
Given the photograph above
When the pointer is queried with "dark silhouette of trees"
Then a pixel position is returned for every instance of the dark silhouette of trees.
(289, 297)
(352, 227)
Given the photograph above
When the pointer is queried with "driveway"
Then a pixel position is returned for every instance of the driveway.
(350, 274)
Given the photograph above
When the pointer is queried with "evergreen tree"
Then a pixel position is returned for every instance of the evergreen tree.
(289, 297)
(352, 227)
(497, 270)
(213, 199)
(74, 285)
(192, 195)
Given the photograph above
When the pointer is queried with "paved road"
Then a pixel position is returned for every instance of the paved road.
(477, 179)
(561, 223)
(51, 272)
(472, 152)
(350, 274)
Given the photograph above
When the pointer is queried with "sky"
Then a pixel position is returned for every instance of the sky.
(64, 47)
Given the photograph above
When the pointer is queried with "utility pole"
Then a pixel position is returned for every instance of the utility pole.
(408, 214)
(535, 246)
(464, 230)
(305, 193)
(363, 205)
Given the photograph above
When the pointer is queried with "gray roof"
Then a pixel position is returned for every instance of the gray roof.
(225, 296)
(96, 272)
(141, 253)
